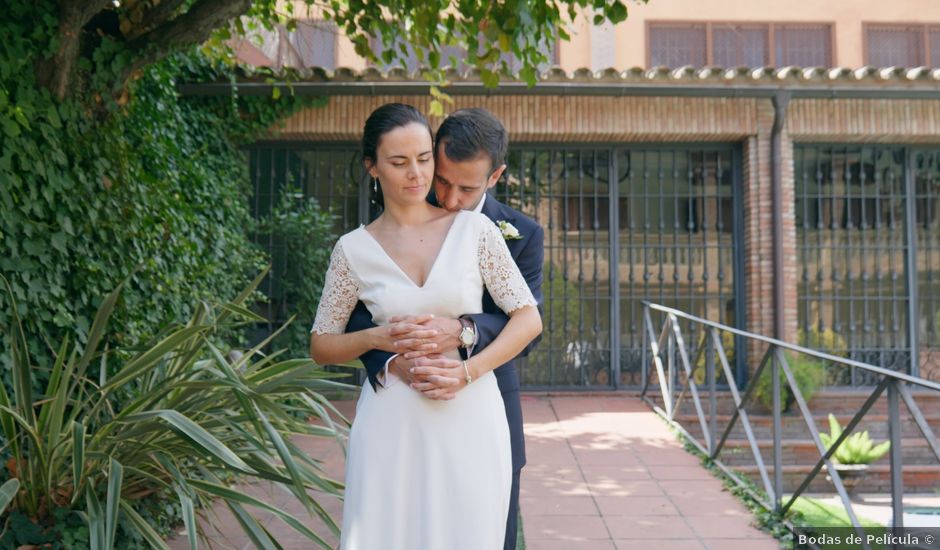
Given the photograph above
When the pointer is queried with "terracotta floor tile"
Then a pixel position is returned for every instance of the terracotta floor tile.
(594, 473)
(669, 472)
(724, 527)
(558, 506)
(659, 544)
(648, 527)
(569, 545)
(768, 543)
(564, 528)
(690, 487)
(635, 506)
(709, 505)
(616, 488)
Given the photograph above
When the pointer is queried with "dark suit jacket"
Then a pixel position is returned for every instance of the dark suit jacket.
(528, 253)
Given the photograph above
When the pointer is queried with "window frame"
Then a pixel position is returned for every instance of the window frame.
(323, 25)
(924, 29)
(770, 28)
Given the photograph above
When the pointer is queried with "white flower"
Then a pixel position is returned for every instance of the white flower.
(509, 231)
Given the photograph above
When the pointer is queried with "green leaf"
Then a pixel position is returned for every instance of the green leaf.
(490, 79)
(618, 12)
(96, 521)
(97, 328)
(148, 359)
(286, 457)
(189, 517)
(115, 480)
(8, 492)
(78, 454)
(196, 434)
(258, 534)
(237, 497)
(145, 530)
(877, 452)
(22, 380)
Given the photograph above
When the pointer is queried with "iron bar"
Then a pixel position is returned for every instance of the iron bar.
(910, 262)
(739, 409)
(872, 369)
(897, 464)
(684, 356)
(833, 473)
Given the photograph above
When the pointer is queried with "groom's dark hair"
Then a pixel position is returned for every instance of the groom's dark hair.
(468, 133)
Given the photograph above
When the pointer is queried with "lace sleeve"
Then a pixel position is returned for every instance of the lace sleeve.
(500, 273)
(339, 297)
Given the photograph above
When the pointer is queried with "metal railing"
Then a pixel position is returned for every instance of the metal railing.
(670, 346)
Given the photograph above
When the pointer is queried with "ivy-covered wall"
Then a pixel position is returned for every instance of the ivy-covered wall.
(106, 185)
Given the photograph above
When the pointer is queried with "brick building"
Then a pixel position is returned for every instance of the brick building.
(699, 187)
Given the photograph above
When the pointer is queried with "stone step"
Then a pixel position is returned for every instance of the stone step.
(804, 452)
(916, 479)
(794, 425)
(837, 401)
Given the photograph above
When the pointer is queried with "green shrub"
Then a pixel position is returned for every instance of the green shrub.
(303, 239)
(727, 343)
(197, 419)
(808, 373)
(826, 340)
(557, 351)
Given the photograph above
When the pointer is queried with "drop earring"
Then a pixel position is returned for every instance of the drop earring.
(375, 185)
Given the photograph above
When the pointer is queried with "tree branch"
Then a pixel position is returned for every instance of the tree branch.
(156, 16)
(192, 27)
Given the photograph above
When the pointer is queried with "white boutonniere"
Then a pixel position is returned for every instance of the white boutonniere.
(509, 231)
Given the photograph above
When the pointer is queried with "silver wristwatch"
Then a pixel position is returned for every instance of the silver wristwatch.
(467, 336)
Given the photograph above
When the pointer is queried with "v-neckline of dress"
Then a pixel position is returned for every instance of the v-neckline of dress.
(430, 272)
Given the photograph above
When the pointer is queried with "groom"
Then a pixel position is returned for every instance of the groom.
(470, 154)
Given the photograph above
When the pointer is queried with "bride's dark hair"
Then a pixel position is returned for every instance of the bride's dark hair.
(383, 120)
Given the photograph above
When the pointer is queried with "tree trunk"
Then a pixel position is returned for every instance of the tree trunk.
(55, 73)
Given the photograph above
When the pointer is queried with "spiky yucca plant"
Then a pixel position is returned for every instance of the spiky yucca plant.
(195, 421)
(857, 448)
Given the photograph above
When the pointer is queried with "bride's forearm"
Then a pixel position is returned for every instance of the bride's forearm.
(330, 349)
(523, 326)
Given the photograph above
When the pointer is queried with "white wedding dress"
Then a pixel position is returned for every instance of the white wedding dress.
(425, 474)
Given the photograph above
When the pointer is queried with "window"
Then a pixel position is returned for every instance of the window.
(315, 43)
(741, 44)
(677, 45)
(803, 45)
(902, 45)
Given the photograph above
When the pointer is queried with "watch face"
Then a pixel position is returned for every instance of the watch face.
(466, 336)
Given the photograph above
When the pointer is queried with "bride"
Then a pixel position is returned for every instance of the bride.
(422, 473)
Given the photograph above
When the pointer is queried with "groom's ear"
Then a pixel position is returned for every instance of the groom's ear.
(494, 177)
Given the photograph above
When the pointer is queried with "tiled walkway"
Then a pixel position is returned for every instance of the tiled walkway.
(604, 472)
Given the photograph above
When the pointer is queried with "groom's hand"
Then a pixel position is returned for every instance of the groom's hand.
(438, 377)
(401, 367)
(415, 343)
